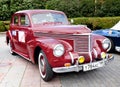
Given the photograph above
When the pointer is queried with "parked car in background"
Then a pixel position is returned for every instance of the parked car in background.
(113, 34)
(47, 38)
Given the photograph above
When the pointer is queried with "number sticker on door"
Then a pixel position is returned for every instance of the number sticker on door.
(21, 36)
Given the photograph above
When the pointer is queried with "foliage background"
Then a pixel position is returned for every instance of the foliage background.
(79, 10)
(72, 8)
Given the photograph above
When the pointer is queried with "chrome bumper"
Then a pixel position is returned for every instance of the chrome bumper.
(77, 67)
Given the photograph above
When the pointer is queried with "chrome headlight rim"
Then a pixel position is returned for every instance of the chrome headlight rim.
(58, 50)
(106, 44)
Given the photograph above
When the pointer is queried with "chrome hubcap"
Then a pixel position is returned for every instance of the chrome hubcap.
(10, 47)
(42, 65)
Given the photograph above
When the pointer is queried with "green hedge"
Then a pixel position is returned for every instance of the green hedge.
(97, 22)
(4, 26)
(92, 22)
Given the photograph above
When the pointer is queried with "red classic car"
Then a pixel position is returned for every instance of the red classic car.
(47, 38)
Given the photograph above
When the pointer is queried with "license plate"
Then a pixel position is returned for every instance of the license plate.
(92, 66)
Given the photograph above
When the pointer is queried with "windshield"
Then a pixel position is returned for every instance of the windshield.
(40, 18)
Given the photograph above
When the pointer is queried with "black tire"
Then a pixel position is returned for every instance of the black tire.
(11, 47)
(112, 47)
(44, 67)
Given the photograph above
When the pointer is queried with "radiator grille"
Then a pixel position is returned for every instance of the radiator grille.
(81, 42)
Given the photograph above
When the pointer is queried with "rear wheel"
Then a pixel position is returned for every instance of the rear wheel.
(11, 47)
(44, 67)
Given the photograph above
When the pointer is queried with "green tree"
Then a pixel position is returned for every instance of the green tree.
(111, 8)
(87, 8)
(71, 8)
(8, 7)
(74, 8)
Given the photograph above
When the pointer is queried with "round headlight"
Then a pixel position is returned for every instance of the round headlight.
(58, 50)
(106, 43)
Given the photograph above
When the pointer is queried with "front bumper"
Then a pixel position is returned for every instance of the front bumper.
(84, 67)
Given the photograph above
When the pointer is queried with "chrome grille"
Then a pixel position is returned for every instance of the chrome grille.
(82, 43)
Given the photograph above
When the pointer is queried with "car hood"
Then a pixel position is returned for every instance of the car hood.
(63, 29)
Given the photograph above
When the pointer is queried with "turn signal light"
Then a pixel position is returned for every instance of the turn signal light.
(110, 55)
(81, 59)
(103, 55)
(67, 64)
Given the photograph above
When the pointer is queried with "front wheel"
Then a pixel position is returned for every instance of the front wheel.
(44, 67)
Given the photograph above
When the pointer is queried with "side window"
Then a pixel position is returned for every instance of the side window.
(16, 20)
(24, 20)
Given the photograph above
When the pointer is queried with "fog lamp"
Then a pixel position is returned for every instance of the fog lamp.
(81, 59)
(103, 55)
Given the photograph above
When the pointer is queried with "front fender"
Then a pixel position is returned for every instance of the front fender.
(97, 42)
(45, 44)
(49, 44)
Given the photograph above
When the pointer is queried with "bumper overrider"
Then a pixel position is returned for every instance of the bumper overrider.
(84, 67)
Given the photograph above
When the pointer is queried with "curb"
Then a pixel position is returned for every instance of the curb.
(2, 32)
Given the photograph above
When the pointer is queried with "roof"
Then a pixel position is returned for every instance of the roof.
(37, 10)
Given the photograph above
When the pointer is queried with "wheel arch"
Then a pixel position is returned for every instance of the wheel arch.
(7, 39)
(47, 46)
(8, 36)
(36, 54)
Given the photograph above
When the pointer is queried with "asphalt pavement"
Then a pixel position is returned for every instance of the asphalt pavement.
(15, 71)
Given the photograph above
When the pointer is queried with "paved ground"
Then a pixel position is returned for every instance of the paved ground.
(18, 72)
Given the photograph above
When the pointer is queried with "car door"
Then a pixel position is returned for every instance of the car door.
(14, 31)
(21, 29)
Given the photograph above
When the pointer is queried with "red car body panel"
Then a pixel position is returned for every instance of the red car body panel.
(46, 35)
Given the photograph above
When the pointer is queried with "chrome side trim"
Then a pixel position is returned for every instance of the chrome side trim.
(82, 34)
(21, 55)
(72, 59)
